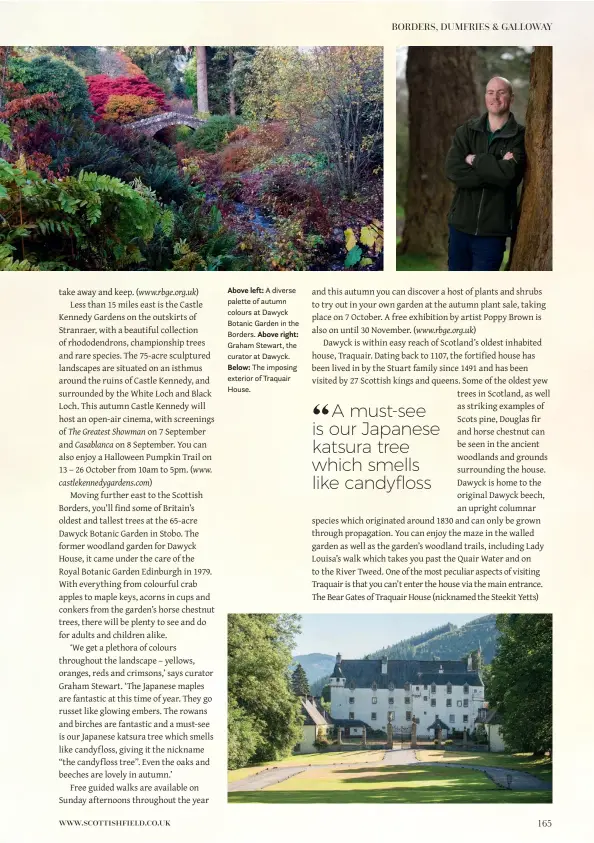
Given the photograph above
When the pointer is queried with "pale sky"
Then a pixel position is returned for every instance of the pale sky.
(356, 635)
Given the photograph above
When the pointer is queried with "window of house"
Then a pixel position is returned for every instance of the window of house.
(351, 715)
(449, 688)
(465, 718)
(465, 703)
(374, 715)
(351, 701)
(390, 700)
(424, 699)
(391, 686)
(452, 718)
(459, 703)
(433, 702)
(390, 715)
(352, 685)
(418, 688)
(407, 686)
(408, 715)
(374, 701)
(424, 687)
(466, 689)
(407, 701)
(448, 703)
(433, 688)
(374, 686)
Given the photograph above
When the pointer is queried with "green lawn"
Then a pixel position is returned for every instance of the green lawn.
(417, 263)
(388, 784)
(311, 759)
(542, 768)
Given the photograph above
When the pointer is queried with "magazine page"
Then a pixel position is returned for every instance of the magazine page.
(295, 539)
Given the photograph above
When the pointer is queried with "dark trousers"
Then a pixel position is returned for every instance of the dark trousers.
(469, 252)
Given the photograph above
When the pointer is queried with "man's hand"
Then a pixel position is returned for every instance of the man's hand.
(469, 159)
(509, 156)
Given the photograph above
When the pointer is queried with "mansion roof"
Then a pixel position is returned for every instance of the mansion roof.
(364, 672)
(313, 716)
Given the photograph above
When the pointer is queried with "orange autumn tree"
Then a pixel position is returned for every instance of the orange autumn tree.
(126, 108)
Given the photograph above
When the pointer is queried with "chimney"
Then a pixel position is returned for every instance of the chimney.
(469, 661)
(440, 668)
(338, 658)
(384, 665)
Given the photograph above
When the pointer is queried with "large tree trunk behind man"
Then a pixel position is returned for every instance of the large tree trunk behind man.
(533, 247)
(201, 80)
(442, 95)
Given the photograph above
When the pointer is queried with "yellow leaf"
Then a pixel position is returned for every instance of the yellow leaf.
(368, 235)
(350, 239)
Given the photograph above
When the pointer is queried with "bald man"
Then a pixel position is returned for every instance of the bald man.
(486, 163)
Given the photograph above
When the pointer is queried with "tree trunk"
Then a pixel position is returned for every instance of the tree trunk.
(442, 94)
(201, 80)
(533, 247)
(5, 53)
(232, 103)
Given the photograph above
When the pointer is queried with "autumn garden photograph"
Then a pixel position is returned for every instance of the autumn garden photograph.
(474, 158)
(191, 158)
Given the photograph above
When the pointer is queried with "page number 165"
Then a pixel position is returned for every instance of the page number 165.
(545, 823)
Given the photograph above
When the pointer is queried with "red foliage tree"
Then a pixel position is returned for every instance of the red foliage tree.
(102, 87)
(30, 131)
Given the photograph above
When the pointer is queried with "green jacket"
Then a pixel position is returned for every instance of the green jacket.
(485, 199)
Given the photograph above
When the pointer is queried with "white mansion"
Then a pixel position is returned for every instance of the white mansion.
(377, 691)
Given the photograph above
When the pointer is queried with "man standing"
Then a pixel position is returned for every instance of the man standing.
(486, 163)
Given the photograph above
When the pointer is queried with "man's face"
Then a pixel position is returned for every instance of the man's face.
(498, 97)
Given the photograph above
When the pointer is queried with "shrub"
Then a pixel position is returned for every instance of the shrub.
(241, 156)
(88, 222)
(46, 74)
(286, 193)
(102, 87)
(292, 248)
(272, 136)
(115, 151)
(238, 134)
(231, 187)
(125, 108)
(203, 243)
(212, 135)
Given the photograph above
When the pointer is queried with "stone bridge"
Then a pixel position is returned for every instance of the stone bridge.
(153, 124)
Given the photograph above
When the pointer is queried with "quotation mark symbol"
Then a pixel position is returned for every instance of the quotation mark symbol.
(324, 410)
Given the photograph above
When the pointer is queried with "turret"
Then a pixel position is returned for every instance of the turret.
(337, 679)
